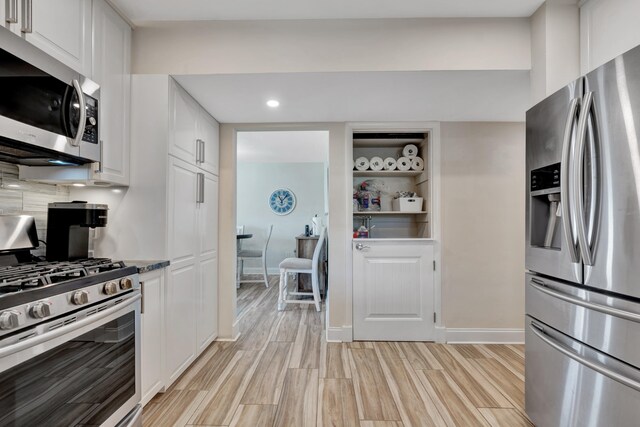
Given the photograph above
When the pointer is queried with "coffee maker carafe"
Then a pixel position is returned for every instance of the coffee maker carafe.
(68, 226)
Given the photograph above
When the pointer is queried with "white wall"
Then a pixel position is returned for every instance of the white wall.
(255, 182)
(483, 217)
(555, 47)
(218, 47)
(608, 28)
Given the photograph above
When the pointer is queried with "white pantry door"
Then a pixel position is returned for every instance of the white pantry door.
(393, 291)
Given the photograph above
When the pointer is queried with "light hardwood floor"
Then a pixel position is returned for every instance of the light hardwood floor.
(282, 372)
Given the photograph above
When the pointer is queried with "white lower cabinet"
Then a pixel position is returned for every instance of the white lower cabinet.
(393, 290)
(152, 327)
(207, 303)
(180, 320)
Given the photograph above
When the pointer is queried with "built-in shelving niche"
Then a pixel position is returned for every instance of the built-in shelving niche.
(392, 224)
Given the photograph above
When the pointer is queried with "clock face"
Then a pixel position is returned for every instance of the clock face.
(282, 201)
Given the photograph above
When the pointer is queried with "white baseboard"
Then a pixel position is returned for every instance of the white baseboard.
(484, 336)
(235, 333)
(337, 334)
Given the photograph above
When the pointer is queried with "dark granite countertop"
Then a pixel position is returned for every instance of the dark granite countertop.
(145, 266)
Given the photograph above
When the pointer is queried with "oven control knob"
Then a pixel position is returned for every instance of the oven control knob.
(110, 288)
(10, 320)
(40, 310)
(126, 283)
(80, 297)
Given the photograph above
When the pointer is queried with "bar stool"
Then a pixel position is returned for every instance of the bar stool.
(302, 266)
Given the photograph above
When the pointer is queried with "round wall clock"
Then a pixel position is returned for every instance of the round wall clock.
(282, 201)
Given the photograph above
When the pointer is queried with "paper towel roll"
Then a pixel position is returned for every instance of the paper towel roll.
(410, 150)
(376, 163)
(389, 164)
(404, 164)
(417, 164)
(362, 163)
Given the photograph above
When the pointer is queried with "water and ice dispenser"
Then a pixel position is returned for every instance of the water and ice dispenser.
(546, 207)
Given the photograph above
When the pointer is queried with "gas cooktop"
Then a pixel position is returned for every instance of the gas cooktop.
(37, 274)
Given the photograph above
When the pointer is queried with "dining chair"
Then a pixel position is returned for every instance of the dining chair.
(254, 254)
(302, 266)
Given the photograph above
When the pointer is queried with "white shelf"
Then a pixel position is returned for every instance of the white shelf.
(360, 143)
(388, 174)
(388, 213)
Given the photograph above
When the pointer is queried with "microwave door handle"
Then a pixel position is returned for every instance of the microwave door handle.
(83, 114)
(11, 11)
(564, 182)
(585, 250)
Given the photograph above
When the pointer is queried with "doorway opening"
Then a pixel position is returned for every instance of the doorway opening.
(282, 191)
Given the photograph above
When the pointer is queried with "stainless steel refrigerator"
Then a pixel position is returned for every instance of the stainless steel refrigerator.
(583, 251)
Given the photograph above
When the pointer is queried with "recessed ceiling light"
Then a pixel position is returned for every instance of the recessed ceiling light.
(273, 103)
(78, 184)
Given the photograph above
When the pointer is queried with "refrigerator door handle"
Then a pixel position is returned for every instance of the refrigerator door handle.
(570, 352)
(585, 113)
(622, 314)
(565, 196)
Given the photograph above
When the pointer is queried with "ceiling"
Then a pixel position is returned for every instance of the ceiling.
(139, 11)
(283, 147)
(363, 96)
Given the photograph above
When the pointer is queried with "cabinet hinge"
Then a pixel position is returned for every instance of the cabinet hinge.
(434, 265)
(434, 317)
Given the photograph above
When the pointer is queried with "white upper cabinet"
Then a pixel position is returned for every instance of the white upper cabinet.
(184, 114)
(208, 131)
(112, 71)
(62, 28)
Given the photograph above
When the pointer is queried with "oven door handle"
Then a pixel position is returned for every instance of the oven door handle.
(39, 339)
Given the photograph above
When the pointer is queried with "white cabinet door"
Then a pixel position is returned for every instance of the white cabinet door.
(182, 216)
(183, 115)
(393, 292)
(112, 71)
(208, 132)
(180, 320)
(62, 28)
(207, 303)
(208, 217)
(152, 321)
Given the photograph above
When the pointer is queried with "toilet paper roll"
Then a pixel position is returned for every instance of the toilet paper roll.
(362, 163)
(417, 164)
(403, 164)
(410, 151)
(389, 164)
(376, 163)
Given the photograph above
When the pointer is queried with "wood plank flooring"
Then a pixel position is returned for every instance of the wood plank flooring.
(282, 372)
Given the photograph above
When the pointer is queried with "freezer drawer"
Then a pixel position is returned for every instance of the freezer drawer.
(569, 384)
(609, 324)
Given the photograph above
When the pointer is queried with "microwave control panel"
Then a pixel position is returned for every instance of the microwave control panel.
(91, 127)
(545, 178)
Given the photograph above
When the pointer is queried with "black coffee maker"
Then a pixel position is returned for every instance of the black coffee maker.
(68, 229)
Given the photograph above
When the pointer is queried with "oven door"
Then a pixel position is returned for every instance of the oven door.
(84, 370)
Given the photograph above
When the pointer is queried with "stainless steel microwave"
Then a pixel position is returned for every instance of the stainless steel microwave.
(48, 111)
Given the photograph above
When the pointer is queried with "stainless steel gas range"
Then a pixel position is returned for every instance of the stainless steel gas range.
(69, 337)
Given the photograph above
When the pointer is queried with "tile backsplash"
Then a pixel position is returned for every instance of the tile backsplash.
(28, 198)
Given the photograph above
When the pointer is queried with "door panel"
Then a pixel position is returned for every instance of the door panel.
(180, 320)
(545, 129)
(393, 292)
(616, 244)
(207, 303)
(62, 28)
(111, 70)
(183, 116)
(183, 238)
(152, 333)
(208, 217)
(208, 131)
